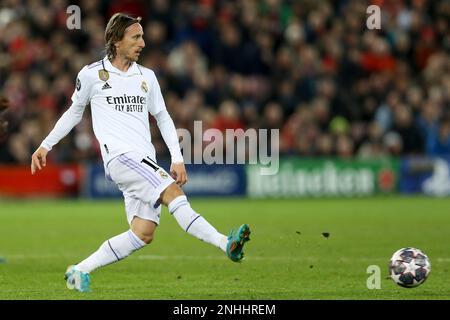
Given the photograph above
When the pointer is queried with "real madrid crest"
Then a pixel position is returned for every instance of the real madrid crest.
(144, 86)
(103, 74)
(163, 174)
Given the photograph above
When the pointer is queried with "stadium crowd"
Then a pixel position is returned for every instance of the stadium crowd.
(309, 68)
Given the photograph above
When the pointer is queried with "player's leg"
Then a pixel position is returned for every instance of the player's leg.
(112, 250)
(155, 186)
(141, 216)
(120, 246)
(193, 223)
(144, 229)
(189, 220)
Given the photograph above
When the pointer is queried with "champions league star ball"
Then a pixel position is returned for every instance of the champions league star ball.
(409, 267)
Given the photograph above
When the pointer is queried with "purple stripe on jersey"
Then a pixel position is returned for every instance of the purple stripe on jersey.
(145, 168)
(137, 169)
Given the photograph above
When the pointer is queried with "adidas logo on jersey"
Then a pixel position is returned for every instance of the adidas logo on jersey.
(106, 86)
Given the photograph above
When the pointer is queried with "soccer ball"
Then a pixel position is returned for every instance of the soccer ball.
(409, 267)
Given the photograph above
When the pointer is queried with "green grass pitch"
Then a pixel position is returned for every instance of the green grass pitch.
(287, 258)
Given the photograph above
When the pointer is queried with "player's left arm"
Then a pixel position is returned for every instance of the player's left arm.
(70, 118)
(157, 109)
(169, 134)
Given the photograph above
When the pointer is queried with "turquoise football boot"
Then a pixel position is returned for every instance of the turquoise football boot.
(77, 280)
(236, 241)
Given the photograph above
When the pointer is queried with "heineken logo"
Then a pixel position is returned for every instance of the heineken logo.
(324, 178)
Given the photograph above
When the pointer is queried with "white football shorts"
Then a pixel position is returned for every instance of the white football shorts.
(141, 181)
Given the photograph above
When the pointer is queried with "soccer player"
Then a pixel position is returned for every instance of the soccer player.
(121, 93)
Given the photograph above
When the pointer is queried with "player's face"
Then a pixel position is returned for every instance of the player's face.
(132, 43)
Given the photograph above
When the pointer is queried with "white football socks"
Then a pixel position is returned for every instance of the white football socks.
(195, 224)
(124, 244)
(112, 250)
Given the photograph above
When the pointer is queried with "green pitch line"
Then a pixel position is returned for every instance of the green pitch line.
(299, 249)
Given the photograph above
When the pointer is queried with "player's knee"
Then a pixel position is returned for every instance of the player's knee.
(174, 190)
(145, 237)
(170, 193)
(143, 229)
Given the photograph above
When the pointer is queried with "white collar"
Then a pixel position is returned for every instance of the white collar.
(132, 70)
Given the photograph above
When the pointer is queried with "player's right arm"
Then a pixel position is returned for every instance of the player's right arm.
(65, 124)
(38, 159)
(157, 109)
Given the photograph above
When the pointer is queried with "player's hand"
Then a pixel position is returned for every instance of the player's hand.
(178, 172)
(38, 159)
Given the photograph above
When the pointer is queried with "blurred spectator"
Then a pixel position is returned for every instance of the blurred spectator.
(325, 146)
(393, 143)
(344, 146)
(438, 143)
(412, 141)
(308, 68)
(373, 147)
(4, 104)
(228, 117)
(273, 116)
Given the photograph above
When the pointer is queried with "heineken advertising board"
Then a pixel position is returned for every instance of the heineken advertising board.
(324, 177)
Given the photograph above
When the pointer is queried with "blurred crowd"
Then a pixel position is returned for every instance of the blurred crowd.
(310, 68)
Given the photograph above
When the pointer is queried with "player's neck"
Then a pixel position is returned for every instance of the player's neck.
(121, 63)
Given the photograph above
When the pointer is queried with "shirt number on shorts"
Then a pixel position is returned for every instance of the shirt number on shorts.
(150, 163)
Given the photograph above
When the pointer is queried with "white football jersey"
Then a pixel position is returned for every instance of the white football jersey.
(120, 103)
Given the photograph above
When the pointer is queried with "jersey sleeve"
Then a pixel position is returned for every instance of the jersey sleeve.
(169, 134)
(156, 102)
(82, 92)
(73, 115)
(157, 108)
